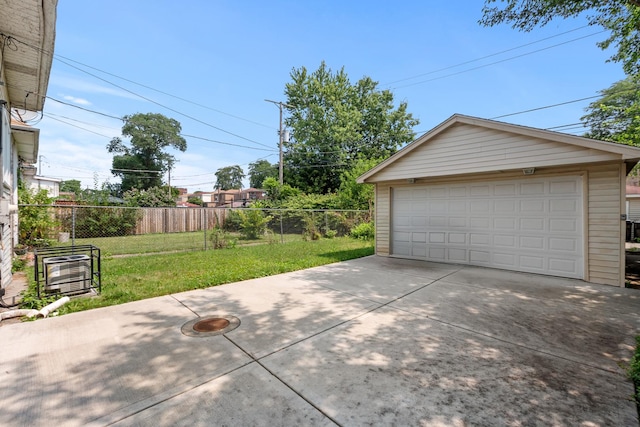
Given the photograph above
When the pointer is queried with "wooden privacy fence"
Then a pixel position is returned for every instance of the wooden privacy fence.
(139, 220)
(178, 220)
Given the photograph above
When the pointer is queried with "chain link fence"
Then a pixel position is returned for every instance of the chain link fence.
(131, 231)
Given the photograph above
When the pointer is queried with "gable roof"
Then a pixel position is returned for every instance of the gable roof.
(591, 149)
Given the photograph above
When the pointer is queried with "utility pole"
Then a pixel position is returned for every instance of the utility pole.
(281, 138)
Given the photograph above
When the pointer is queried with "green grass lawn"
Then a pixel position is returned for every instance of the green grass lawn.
(164, 242)
(135, 278)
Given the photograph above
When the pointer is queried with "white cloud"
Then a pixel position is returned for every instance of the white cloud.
(79, 101)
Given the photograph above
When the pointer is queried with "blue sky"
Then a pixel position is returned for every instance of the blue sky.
(222, 59)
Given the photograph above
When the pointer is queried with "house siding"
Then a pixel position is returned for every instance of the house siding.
(464, 149)
(634, 209)
(603, 200)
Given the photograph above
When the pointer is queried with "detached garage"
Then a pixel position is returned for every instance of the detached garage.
(486, 193)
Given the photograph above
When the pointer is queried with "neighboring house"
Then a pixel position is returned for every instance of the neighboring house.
(37, 183)
(24, 77)
(486, 193)
(633, 203)
(235, 198)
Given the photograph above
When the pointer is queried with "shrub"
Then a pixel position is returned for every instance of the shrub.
(330, 234)
(634, 369)
(311, 230)
(220, 239)
(363, 231)
(232, 221)
(36, 223)
(103, 222)
(253, 223)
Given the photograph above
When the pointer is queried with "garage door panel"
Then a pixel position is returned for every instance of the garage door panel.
(438, 207)
(479, 257)
(563, 225)
(565, 245)
(564, 205)
(505, 223)
(419, 250)
(479, 239)
(480, 206)
(458, 191)
(533, 224)
(532, 189)
(563, 187)
(419, 221)
(479, 190)
(505, 207)
(437, 237)
(504, 260)
(437, 253)
(532, 242)
(438, 221)
(532, 263)
(504, 241)
(457, 221)
(529, 224)
(457, 255)
(504, 190)
(458, 238)
(562, 266)
(533, 206)
(482, 223)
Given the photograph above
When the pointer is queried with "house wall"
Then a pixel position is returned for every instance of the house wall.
(37, 184)
(8, 229)
(472, 149)
(604, 203)
(633, 213)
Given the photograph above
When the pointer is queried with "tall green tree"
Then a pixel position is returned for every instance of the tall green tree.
(335, 122)
(261, 170)
(620, 17)
(71, 186)
(141, 163)
(616, 115)
(229, 177)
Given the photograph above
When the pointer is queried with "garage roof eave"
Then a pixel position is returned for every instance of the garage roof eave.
(627, 153)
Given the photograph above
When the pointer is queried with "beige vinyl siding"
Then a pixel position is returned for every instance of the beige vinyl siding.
(606, 256)
(383, 219)
(604, 201)
(634, 209)
(464, 149)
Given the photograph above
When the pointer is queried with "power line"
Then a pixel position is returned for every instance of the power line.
(164, 106)
(500, 61)
(160, 91)
(485, 57)
(545, 107)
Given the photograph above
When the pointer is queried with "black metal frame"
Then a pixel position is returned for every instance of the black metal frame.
(44, 253)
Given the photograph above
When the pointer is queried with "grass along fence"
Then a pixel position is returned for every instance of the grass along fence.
(128, 231)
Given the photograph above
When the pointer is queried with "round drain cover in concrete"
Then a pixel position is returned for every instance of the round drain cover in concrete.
(210, 326)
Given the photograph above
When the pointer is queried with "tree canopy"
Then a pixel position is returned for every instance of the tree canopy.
(229, 177)
(616, 115)
(150, 198)
(71, 186)
(261, 170)
(334, 123)
(620, 17)
(141, 163)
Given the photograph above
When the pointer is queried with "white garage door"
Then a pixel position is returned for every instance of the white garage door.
(532, 224)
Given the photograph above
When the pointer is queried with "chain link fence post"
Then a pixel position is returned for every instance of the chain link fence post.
(73, 226)
(206, 226)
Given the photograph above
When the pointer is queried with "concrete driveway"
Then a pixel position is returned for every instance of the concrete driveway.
(373, 341)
